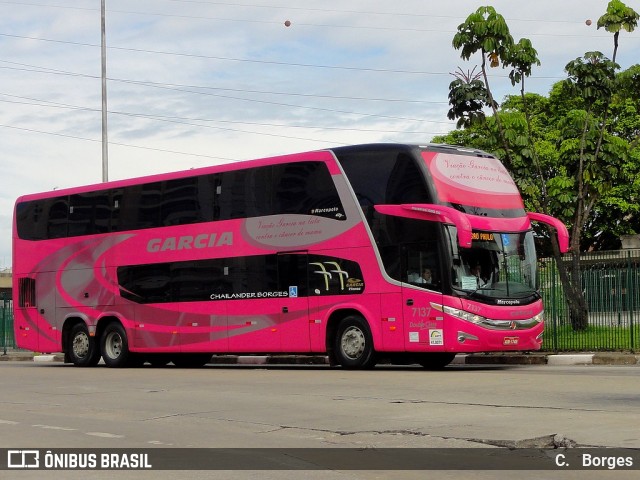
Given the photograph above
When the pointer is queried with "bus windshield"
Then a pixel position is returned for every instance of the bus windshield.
(497, 267)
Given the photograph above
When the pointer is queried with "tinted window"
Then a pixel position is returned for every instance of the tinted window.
(246, 193)
(209, 189)
(180, 204)
(408, 248)
(292, 274)
(146, 283)
(83, 214)
(116, 196)
(240, 278)
(406, 183)
(202, 280)
(298, 188)
(140, 206)
(197, 280)
(385, 177)
(56, 212)
(30, 220)
(89, 213)
(306, 188)
(253, 274)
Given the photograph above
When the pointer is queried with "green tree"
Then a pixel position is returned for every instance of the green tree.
(618, 17)
(467, 96)
(485, 32)
(574, 154)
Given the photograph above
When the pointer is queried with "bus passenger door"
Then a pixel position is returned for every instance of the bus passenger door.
(423, 323)
(424, 330)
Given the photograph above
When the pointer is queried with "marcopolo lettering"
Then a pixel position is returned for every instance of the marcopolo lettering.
(187, 242)
(508, 302)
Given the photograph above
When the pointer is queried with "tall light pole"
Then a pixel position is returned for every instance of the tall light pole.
(105, 148)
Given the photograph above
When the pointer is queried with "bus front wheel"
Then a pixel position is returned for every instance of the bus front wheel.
(83, 348)
(115, 346)
(353, 345)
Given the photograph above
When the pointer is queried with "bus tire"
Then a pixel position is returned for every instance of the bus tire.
(353, 343)
(83, 348)
(436, 360)
(115, 347)
(191, 360)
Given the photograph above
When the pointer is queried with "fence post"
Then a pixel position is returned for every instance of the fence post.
(4, 324)
(554, 309)
(630, 301)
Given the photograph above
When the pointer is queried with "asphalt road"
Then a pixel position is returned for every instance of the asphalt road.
(53, 406)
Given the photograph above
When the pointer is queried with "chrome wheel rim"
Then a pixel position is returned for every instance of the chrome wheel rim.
(81, 345)
(113, 345)
(353, 342)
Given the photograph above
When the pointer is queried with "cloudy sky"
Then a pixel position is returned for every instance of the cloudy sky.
(199, 82)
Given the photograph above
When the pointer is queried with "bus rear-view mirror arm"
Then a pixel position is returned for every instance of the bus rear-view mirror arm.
(433, 213)
(561, 229)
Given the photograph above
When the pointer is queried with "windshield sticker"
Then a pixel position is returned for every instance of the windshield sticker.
(469, 282)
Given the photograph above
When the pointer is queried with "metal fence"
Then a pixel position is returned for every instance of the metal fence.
(610, 283)
(7, 340)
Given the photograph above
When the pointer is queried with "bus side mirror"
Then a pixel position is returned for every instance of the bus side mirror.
(561, 229)
(432, 213)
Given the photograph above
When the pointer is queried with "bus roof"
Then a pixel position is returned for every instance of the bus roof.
(430, 147)
(323, 154)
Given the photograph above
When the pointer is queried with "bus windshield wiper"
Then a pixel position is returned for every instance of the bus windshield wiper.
(473, 293)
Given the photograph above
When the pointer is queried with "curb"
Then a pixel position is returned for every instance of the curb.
(565, 359)
(49, 358)
(505, 359)
(602, 358)
(573, 359)
(613, 358)
(17, 357)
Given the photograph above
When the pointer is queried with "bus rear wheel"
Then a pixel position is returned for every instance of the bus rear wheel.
(436, 360)
(115, 347)
(83, 348)
(353, 344)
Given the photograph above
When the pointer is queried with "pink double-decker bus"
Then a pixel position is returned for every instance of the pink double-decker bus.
(406, 253)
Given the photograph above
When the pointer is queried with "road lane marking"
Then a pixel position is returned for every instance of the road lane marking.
(52, 427)
(104, 435)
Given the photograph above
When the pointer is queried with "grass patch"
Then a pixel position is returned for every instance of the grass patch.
(595, 338)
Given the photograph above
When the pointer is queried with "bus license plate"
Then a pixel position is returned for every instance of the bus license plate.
(510, 341)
